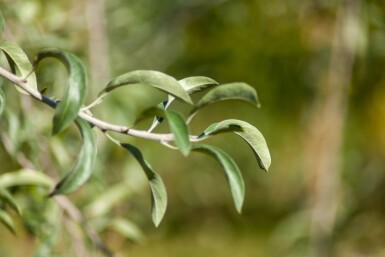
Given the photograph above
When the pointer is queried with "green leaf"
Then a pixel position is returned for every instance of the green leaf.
(127, 229)
(67, 109)
(195, 84)
(190, 85)
(233, 175)
(158, 190)
(19, 63)
(180, 131)
(177, 126)
(82, 169)
(2, 102)
(155, 79)
(7, 221)
(25, 177)
(249, 133)
(8, 198)
(107, 200)
(231, 91)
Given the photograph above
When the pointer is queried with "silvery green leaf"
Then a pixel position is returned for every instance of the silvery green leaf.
(151, 78)
(231, 91)
(69, 106)
(232, 172)
(196, 84)
(158, 190)
(82, 168)
(249, 133)
(19, 63)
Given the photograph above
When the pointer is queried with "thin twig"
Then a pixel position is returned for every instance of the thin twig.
(102, 125)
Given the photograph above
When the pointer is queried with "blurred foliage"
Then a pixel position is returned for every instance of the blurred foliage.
(282, 48)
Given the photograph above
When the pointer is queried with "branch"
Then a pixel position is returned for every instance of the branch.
(102, 125)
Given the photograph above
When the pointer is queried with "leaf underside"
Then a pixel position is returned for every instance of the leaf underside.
(158, 190)
(230, 91)
(82, 168)
(232, 172)
(249, 133)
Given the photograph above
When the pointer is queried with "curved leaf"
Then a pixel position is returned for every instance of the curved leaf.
(82, 169)
(151, 78)
(25, 177)
(249, 133)
(67, 109)
(177, 126)
(158, 190)
(231, 91)
(19, 63)
(190, 85)
(180, 130)
(2, 102)
(233, 175)
(8, 198)
(7, 221)
(195, 84)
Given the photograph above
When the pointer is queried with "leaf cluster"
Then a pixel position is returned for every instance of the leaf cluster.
(70, 108)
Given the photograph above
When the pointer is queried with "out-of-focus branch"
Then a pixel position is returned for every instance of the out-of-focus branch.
(73, 213)
(325, 133)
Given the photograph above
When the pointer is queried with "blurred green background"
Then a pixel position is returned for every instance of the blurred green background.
(318, 67)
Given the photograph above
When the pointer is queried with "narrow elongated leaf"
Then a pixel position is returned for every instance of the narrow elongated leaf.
(8, 198)
(233, 175)
(158, 190)
(180, 130)
(151, 78)
(177, 126)
(2, 102)
(67, 109)
(231, 91)
(249, 133)
(7, 221)
(196, 84)
(127, 229)
(19, 63)
(25, 177)
(82, 169)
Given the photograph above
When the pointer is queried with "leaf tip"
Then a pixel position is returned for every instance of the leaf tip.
(185, 151)
(239, 209)
(157, 220)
